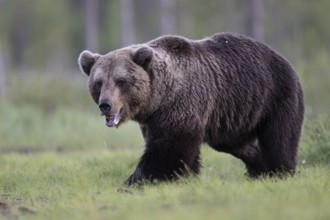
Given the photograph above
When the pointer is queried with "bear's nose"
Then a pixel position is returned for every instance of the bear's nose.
(105, 107)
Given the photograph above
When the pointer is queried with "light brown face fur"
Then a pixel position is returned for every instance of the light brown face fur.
(116, 79)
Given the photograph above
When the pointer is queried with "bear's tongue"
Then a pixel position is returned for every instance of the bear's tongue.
(112, 120)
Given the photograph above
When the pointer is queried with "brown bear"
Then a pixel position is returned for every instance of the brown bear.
(229, 91)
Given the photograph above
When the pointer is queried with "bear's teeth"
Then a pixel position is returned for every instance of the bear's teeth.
(112, 120)
(109, 121)
(116, 119)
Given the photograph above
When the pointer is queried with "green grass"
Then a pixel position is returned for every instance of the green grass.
(28, 128)
(88, 185)
(59, 161)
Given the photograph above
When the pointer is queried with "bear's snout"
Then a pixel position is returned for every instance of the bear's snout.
(105, 107)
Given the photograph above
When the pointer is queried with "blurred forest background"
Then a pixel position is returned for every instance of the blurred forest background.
(40, 42)
(59, 161)
(47, 36)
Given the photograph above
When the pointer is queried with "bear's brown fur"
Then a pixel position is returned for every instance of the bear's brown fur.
(234, 93)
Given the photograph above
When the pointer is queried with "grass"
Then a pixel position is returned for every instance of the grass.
(88, 185)
(59, 161)
(29, 128)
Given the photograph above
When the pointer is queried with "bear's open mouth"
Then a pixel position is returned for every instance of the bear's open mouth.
(112, 120)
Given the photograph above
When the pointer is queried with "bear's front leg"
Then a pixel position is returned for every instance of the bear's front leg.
(168, 158)
(135, 178)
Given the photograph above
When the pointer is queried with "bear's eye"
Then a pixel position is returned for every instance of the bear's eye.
(120, 82)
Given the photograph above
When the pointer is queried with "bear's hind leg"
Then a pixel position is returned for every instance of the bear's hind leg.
(279, 138)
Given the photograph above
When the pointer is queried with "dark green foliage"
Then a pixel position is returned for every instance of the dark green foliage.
(35, 33)
(48, 92)
(316, 142)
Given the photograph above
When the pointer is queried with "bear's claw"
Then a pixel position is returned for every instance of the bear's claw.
(134, 179)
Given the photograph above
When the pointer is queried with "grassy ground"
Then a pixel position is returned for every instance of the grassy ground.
(58, 161)
(88, 185)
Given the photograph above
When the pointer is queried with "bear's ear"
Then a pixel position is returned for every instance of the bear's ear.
(86, 61)
(143, 57)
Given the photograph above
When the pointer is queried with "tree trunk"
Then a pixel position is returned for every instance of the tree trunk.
(91, 24)
(256, 8)
(2, 74)
(127, 22)
(185, 19)
(20, 32)
(167, 17)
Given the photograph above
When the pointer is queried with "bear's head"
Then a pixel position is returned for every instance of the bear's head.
(119, 82)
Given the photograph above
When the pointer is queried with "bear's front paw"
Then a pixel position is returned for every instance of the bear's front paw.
(132, 180)
(135, 178)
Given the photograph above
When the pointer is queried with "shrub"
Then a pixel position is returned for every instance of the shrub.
(316, 141)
